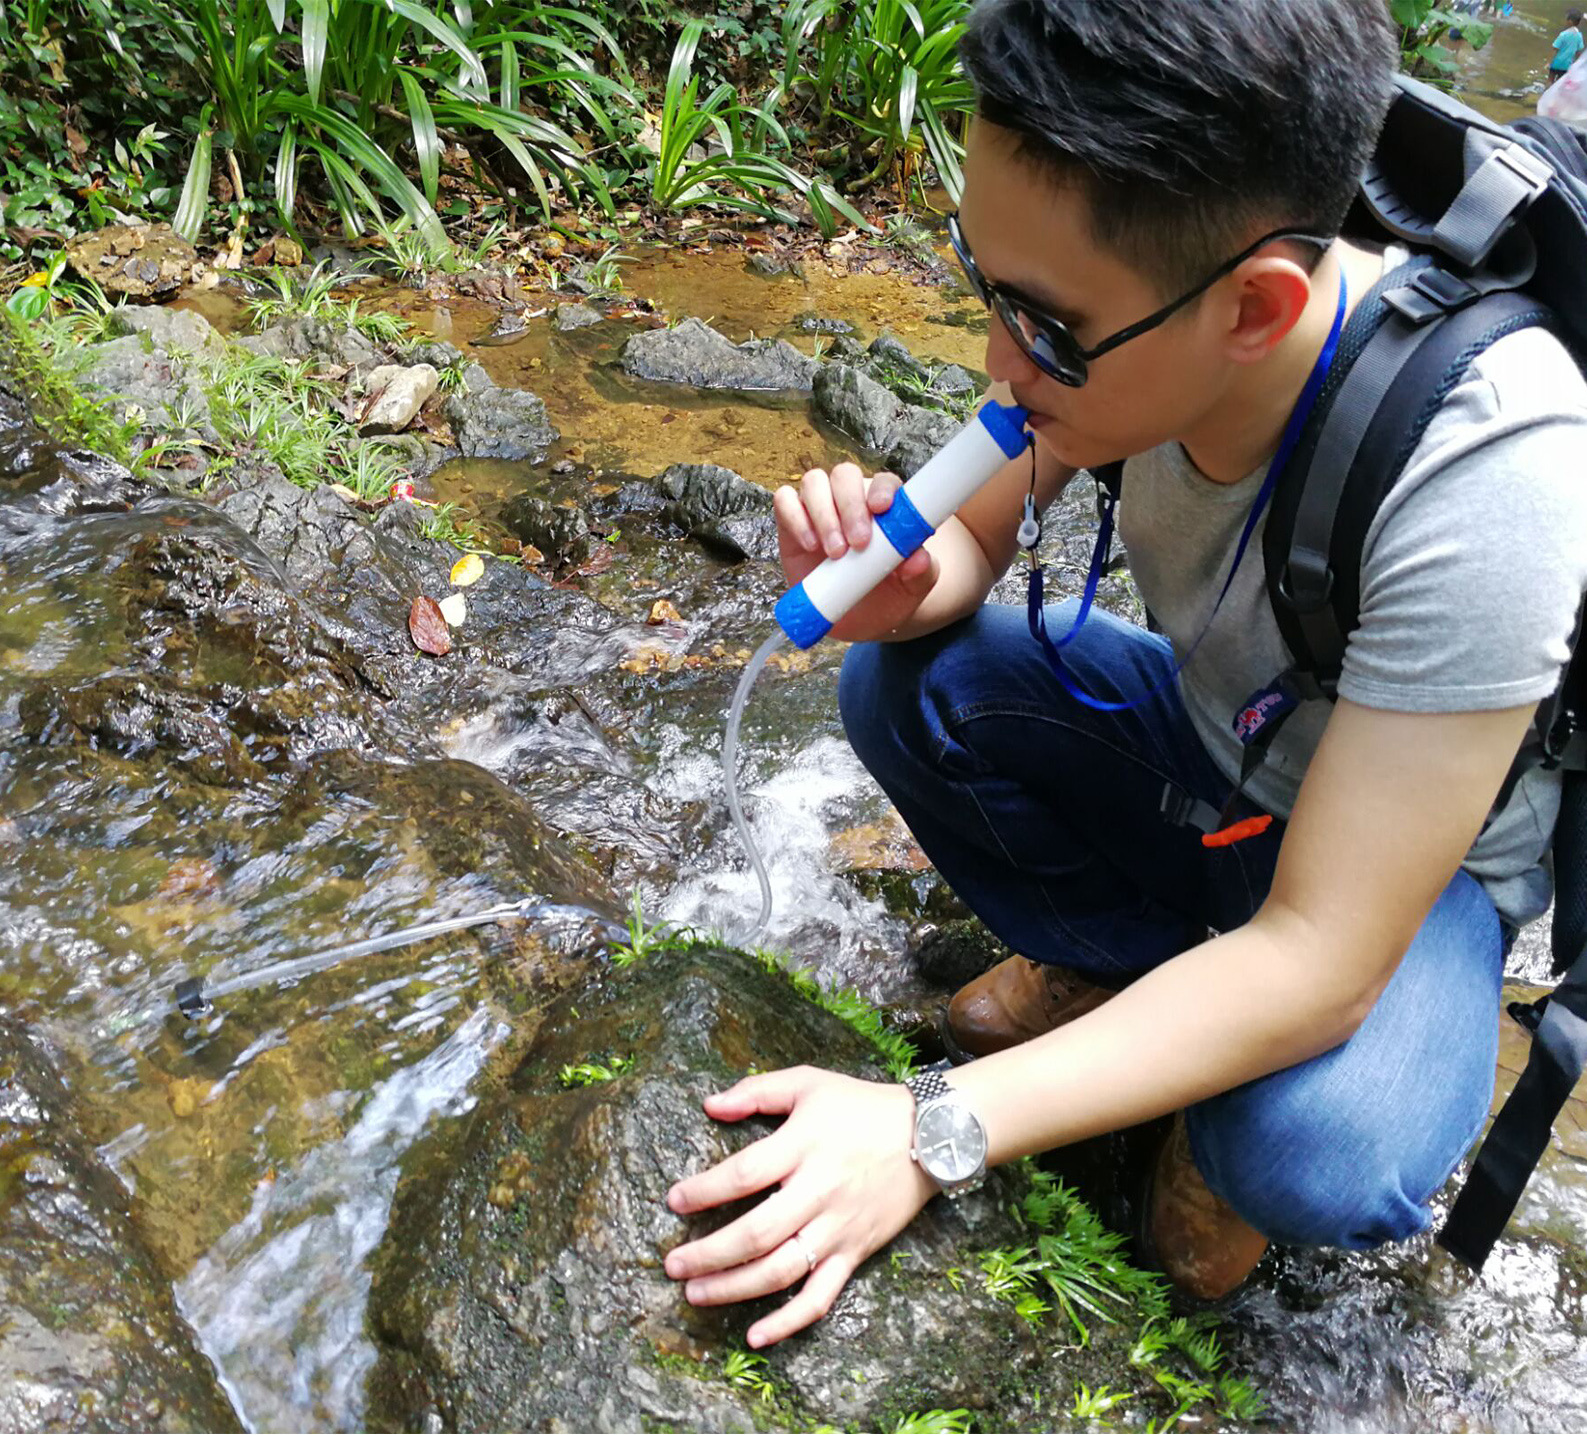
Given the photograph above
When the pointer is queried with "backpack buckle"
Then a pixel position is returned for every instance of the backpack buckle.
(1433, 293)
(1499, 188)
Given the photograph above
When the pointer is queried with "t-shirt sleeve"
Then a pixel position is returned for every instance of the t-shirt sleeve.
(1475, 566)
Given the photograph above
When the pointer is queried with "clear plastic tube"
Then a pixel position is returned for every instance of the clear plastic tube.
(735, 719)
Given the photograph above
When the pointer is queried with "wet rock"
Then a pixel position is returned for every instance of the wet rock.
(774, 266)
(176, 331)
(510, 326)
(906, 436)
(498, 423)
(956, 952)
(304, 337)
(577, 316)
(561, 534)
(38, 476)
(141, 262)
(891, 350)
(521, 1284)
(695, 354)
(811, 322)
(90, 1337)
(148, 381)
(713, 504)
(396, 396)
(435, 353)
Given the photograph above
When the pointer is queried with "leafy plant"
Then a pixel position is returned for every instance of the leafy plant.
(898, 1053)
(1096, 1404)
(890, 68)
(643, 939)
(593, 1073)
(443, 527)
(743, 1369)
(935, 1422)
(1424, 26)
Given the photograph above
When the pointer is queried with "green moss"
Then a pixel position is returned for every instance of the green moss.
(46, 376)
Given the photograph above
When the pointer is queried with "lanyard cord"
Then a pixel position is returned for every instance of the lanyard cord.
(1286, 449)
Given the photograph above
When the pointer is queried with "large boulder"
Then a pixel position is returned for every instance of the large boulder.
(694, 353)
(561, 534)
(394, 396)
(306, 337)
(492, 422)
(90, 1336)
(520, 1286)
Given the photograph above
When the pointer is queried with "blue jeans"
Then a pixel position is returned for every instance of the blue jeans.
(1044, 816)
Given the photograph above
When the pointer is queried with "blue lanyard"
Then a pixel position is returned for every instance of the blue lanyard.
(1286, 450)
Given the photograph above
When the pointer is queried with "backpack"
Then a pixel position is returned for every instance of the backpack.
(1496, 217)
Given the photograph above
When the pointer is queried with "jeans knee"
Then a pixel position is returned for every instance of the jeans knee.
(870, 698)
(1338, 1181)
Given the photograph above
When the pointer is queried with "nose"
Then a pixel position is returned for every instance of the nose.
(1006, 361)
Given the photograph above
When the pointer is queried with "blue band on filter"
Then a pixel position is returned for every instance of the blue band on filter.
(902, 525)
(800, 619)
(1006, 424)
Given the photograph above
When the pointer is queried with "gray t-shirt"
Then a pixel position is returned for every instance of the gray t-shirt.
(1471, 581)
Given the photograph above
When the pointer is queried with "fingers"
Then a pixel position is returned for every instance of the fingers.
(754, 1234)
(816, 490)
(794, 520)
(779, 1268)
(879, 497)
(814, 1301)
(753, 1169)
(848, 497)
(772, 1093)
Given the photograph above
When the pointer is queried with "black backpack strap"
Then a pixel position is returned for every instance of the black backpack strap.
(1428, 333)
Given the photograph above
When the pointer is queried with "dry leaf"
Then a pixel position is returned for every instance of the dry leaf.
(470, 568)
(454, 608)
(427, 627)
(343, 492)
(661, 611)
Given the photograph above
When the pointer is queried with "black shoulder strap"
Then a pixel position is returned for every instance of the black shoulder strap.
(1422, 332)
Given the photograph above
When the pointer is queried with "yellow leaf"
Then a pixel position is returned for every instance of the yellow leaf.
(36, 281)
(470, 568)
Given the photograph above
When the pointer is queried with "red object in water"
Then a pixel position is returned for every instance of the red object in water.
(1251, 827)
(402, 488)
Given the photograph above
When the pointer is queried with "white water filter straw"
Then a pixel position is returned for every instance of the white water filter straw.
(807, 611)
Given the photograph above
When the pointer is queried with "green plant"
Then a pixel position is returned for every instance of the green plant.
(643, 940)
(377, 324)
(1095, 1404)
(898, 1053)
(352, 81)
(605, 272)
(311, 295)
(742, 1369)
(890, 68)
(443, 527)
(1424, 26)
(36, 357)
(935, 1422)
(592, 1073)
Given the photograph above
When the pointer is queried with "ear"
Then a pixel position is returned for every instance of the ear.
(1271, 296)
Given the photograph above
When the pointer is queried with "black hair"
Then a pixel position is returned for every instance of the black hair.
(1191, 125)
(1573, 17)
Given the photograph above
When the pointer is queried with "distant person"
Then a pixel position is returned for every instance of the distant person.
(1568, 46)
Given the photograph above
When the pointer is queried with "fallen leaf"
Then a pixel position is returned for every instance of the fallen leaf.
(470, 568)
(600, 560)
(343, 492)
(454, 608)
(427, 627)
(661, 611)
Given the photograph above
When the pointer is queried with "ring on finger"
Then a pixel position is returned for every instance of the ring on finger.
(811, 1259)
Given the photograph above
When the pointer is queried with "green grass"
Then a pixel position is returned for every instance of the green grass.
(39, 358)
(929, 1422)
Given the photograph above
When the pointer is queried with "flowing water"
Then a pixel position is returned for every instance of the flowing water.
(262, 1144)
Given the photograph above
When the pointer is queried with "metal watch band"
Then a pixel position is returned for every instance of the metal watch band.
(929, 1085)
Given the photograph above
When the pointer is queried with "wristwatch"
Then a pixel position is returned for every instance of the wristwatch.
(950, 1142)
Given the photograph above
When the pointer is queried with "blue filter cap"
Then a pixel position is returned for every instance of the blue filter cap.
(1006, 424)
(800, 619)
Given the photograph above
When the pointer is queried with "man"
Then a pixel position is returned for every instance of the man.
(1331, 1046)
(1567, 46)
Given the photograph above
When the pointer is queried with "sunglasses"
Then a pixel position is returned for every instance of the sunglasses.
(1048, 341)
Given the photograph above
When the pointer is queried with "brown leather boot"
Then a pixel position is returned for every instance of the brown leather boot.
(1199, 1241)
(1015, 1001)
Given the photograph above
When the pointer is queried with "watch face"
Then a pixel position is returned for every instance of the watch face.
(950, 1142)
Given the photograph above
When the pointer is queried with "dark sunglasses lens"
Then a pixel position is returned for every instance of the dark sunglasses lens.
(1053, 350)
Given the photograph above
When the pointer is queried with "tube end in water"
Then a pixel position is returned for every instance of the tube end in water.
(800, 619)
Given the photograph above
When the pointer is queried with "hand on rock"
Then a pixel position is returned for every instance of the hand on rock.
(847, 1185)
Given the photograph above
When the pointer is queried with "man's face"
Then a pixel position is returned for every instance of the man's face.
(1033, 236)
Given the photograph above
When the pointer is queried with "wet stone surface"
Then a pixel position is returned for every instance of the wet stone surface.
(527, 1290)
(90, 1336)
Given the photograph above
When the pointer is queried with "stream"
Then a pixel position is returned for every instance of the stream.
(203, 769)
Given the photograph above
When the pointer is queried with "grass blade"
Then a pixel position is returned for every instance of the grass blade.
(194, 203)
(426, 142)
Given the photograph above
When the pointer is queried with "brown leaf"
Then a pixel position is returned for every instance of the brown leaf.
(661, 611)
(427, 627)
(599, 561)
